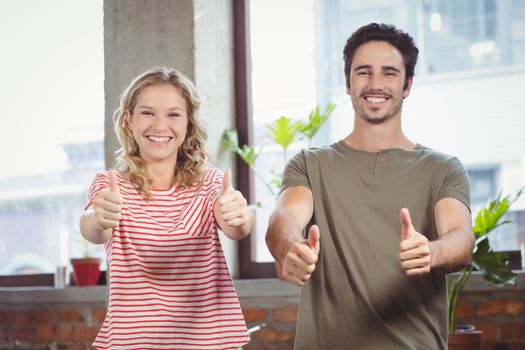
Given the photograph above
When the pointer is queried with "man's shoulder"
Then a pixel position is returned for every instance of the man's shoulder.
(435, 156)
(319, 151)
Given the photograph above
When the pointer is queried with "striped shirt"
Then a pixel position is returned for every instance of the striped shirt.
(170, 287)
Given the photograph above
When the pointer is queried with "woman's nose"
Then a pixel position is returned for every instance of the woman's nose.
(160, 122)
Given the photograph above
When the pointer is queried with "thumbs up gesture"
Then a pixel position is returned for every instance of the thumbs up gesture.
(107, 205)
(233, 207)
(414, 249)
(299, 262)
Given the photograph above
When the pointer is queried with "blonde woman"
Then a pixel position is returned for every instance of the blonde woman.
(158, 215)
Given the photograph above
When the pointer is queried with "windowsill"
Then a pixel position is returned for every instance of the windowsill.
(245, 289)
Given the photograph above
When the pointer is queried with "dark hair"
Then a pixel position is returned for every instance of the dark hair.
(382, 32)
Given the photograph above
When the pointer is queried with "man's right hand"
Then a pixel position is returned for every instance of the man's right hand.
(299, 262)
(107, 206)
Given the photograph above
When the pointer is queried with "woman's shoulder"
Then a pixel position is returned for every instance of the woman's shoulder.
(211, 174)
(102, 179)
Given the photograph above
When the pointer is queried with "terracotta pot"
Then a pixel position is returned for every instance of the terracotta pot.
(86, 271)
(465, 338)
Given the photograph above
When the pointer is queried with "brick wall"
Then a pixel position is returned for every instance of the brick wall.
(52, 327)
(49, 326)
(279, 316)
(500, 314)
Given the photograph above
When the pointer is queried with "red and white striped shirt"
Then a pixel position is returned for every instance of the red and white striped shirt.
(169, 284)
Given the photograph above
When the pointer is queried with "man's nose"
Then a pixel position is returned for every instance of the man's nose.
(376, 81)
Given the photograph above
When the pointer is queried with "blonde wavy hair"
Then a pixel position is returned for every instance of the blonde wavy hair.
(192, 157)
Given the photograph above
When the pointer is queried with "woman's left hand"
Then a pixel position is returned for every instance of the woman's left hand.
(232, 204)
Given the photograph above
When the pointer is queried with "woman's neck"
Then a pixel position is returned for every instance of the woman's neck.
(161, 175)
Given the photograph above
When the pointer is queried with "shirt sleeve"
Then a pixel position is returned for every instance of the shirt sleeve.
(296, 172)
(100, 183)
(456, 183)
(215, 178)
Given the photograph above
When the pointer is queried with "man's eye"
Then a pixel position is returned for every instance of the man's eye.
(390, 74)
(362, 73)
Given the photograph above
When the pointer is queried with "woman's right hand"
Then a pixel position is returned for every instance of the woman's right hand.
(107, 205)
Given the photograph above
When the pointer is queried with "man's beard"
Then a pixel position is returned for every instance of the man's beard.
(389, 114)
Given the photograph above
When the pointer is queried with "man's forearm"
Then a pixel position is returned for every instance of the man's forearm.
(452, 251)
(282, 230)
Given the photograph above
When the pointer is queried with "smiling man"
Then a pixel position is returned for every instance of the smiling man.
(385, 218)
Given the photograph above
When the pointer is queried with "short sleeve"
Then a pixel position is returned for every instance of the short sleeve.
(100, 183)
(214, 177)
(456, 183)
(296, 172)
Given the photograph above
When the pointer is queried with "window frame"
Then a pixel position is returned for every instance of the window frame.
(243, 123)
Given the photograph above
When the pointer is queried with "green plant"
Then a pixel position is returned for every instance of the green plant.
(491, 264)
(283, 131)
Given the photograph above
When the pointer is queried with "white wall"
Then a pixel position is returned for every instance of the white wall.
(477, 116)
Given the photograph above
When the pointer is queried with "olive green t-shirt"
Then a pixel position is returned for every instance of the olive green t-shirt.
(358, 296)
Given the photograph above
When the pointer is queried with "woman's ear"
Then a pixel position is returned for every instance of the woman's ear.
(127, 116)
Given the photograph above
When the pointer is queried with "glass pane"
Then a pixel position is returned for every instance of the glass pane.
(283, 81)
(52, 128)
(464, 100)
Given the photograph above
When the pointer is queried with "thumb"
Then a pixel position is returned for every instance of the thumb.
(406, 224)
(227, 182)
(314, 239)
(113, 181)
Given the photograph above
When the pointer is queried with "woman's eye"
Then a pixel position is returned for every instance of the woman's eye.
(173, 115)
(146, 113)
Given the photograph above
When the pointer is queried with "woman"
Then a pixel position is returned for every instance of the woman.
(159, 216)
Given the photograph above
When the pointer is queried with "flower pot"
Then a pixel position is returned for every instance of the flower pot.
(86, 271)
(465, 338)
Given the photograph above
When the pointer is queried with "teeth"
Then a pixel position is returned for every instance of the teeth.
(376, 99)
(158, 139)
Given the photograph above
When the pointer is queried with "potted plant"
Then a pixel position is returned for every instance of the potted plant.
(283, 131)
(492, 265)
(86, 270)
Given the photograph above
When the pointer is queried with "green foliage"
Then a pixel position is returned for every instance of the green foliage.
(231, 140)
(283, 131)
(492, 265)
(487, 218)
(316, 119)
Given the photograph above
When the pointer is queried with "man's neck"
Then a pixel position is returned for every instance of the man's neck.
(374, 138)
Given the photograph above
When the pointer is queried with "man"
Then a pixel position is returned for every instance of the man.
(385, 217)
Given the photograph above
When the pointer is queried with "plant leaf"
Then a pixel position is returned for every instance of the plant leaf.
(231, 140)
(493, 265)
(282, 131)
(315, 121)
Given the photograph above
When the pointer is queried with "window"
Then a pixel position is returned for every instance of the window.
(52, 128)
(471, 67)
